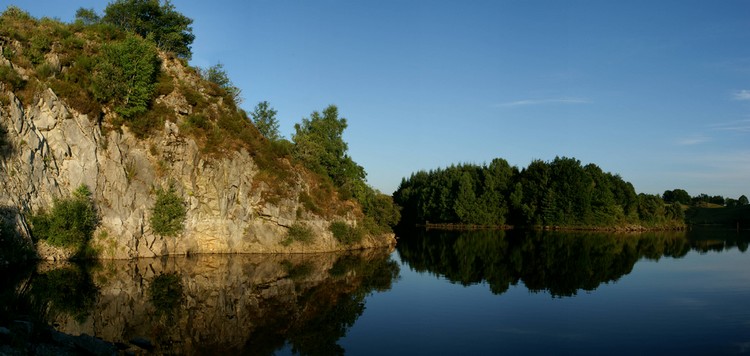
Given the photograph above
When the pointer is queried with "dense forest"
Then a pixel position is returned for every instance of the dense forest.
(558, 193)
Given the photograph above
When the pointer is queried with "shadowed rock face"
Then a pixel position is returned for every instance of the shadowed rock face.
(226, 303)
(49, 149)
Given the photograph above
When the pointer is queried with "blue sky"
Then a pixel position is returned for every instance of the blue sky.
(657, 91)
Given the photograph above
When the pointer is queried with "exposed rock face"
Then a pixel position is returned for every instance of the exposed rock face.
(55, 149)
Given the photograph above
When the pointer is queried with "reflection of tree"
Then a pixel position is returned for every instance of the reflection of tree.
(68, 290)
(322, 313)
(166, 293)
(332, 309)
(561, 263)
(208, 304)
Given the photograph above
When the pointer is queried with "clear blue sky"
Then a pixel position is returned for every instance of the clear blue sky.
(657, 91)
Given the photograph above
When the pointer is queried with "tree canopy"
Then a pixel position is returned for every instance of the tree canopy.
(125, 75)
(320, 146)
(264, 118)
(558, 193)
(169, 29)
(217, 75)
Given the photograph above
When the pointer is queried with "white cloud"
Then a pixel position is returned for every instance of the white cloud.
(743, 95)
(741, 126)
(694, 140)
(531, 102)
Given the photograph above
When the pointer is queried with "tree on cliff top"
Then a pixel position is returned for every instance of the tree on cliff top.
(264, 118)
(169, 29)
(319, 145)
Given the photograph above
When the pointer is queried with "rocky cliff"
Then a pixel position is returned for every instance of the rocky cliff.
(50, 149)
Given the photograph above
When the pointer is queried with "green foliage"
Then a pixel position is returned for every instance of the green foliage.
(742, 200)
(11, 78)
(168, 214)
(217, 75)
(70, 223)
(298, 233)
(41, 44)
(319, 145)
(676, 195)
(125, 76)
(169, 29)
(166, 293)
(87, 17)
(557, 193)
(345, 233)
(264, 118)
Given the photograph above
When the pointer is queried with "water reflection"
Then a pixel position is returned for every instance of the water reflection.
(561, 263)
(214, 304)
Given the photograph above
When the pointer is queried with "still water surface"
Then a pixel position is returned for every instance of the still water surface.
(482, 292)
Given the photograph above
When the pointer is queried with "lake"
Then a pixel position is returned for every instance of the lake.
(475, 292)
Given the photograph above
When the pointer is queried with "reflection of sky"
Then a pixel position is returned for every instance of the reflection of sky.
(692, 305)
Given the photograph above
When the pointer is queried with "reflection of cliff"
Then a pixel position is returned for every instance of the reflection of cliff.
(559, 262)
(250, 303)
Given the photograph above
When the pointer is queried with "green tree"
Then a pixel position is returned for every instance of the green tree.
(319, 145)
(217, 75)
(125, 76)
(168, 214)
(169, 29)
(676, 195)
(70, 223)
(87, 16)
(742, 200)
(264, 118)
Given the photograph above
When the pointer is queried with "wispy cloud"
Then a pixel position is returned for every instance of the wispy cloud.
(743, 95)
(741, 126)
(532, 102)
(694, 140)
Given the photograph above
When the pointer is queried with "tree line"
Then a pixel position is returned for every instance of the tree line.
(681, 196)
(562, 192)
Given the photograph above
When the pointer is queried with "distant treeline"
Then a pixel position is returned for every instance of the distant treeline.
(558, 193)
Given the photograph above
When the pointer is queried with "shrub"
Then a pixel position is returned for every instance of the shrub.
(199, 121)
(40, 45)
(125, 76)
(345, 233)
(70, 223)
(168, 214)
(11, 78)
(299, 233)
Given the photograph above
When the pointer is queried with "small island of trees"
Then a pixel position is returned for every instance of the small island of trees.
(560, 193)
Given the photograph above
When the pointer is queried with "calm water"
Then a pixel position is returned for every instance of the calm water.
(485, 292)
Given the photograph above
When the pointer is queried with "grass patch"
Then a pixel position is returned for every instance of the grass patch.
(345, 233)
(298, 233)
